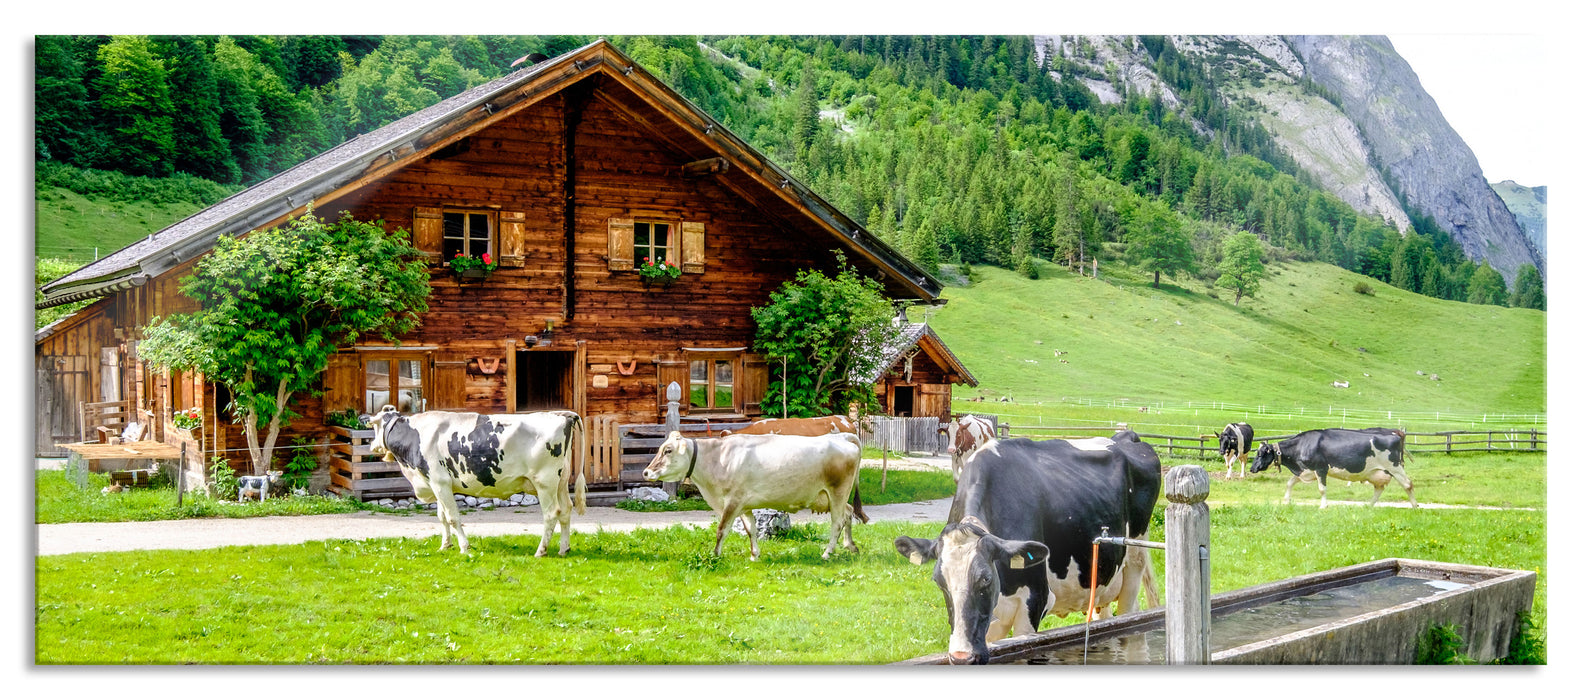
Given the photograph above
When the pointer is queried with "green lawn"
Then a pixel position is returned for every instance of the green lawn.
(648, 597)
(1508, 480)
(59, 500)
(70, 226)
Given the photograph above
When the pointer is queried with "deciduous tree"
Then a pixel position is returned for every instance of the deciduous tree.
(1241, 268)
(1156, 242)
(827, 331)
(276, 303)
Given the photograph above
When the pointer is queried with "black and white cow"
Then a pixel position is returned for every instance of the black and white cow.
(492, 456)
(1372, 455)
(1234, 445)
(1024, 544)
(964, 435)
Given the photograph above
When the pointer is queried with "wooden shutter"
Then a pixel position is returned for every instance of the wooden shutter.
(692, 246)
(671, 370)
(513, 239)
(450, 381)
(621, 244)
(340, 383)
(752, 384)
(428, 232)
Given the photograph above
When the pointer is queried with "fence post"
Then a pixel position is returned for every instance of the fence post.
(1534, 437)
(1447, 443)
(672, 423)
(1186, 566)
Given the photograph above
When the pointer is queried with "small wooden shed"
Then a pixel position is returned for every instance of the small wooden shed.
(917, 374)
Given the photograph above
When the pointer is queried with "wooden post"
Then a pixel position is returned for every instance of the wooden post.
(672, 423)
(884, 460)
(181, 473)
(1447, 443)
(1186, 566)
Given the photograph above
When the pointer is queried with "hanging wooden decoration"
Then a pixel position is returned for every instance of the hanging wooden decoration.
(625, 369)
(488, 365)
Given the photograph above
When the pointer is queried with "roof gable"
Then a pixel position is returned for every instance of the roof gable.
(380, 152)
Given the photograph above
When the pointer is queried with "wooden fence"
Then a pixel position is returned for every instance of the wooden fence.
(356, 471)
(637, 443)
(906, 434)
(1202, 445)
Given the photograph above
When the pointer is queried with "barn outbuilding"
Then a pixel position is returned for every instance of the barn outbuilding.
(916, 376)
(569, 173)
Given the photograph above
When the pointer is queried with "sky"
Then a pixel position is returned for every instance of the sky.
(1491, 88)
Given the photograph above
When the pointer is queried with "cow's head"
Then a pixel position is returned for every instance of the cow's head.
(674, 461)
(1268, 456)
(380, 423)
(968, 562)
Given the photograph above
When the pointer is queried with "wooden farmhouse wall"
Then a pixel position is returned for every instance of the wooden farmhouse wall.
(929, 388)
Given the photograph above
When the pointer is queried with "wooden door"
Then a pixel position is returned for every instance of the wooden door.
(62, 385)
(933, 400)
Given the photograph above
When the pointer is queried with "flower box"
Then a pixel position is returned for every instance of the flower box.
(473, 274)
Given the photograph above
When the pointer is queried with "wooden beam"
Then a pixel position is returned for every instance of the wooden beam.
(707, 166)
(573, 101)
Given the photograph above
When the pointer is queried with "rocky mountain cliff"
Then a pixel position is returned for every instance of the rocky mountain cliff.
(1530, 206)
(1348, 110)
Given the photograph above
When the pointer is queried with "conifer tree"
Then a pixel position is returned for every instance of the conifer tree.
(1487, 286)
(1529, 292)
(200, 144)
(135, 102)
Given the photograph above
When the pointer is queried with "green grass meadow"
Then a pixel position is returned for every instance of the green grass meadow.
(648, 597)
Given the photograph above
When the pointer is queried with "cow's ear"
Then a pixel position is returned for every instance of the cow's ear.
(916, 550)
(1016, 554)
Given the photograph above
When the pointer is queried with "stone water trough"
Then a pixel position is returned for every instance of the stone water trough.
(1371, 613)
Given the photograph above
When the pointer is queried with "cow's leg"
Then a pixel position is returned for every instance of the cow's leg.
(836, 509)
(1378, 489)
(1288, 486)
(549, 509)
(1398, 472)
(1132, 576)
(847, 518)
(751, 525)
(1230, 464)
(1243, 459)
(449, 518)
(728, 513)
(1323, 491)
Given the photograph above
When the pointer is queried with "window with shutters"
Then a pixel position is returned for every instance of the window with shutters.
(467, 233)
(634, 241)
(712, 385)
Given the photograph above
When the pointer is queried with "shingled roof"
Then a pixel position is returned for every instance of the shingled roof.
(913, 334)
(389, 147)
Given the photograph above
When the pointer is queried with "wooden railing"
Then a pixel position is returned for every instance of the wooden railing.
(356, 471)
(639, 442)
(1443, 441)
(906, 434)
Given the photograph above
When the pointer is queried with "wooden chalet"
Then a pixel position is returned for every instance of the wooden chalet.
(569, 172)
(917, 374)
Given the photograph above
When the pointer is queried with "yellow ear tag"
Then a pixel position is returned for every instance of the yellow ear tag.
(916, 557)
(1017, 563)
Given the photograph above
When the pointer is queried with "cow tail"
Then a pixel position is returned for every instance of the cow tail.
(579, 436)
(856, 502)
(1405, 456)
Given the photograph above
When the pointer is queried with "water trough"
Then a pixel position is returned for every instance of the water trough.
(1370, 613)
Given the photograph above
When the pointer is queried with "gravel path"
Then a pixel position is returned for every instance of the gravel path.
(205, 533)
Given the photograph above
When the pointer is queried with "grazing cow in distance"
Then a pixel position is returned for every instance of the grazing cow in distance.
(493, 456)
(785, 472)
(1023, 547)
(1351, 455)
(1235, 442)
(963, 436)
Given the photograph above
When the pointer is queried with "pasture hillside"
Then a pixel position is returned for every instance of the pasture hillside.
(69, 225)
(1062, 337)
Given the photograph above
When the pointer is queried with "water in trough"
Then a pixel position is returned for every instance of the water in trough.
(1256, 623)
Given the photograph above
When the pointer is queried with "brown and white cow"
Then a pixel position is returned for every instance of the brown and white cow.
(965, 435)
(783, 472)
(823, 425)
(493, 456)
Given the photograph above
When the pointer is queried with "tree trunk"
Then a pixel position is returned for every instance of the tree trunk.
(1156, 279)
(1238, 297)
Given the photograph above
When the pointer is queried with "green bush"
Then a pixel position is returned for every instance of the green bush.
(1362, 287)
(222, 479)
(299, 470)
(1440, 646)
(115, 186)
(1528, 646)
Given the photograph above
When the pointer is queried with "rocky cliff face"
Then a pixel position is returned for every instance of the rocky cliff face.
(1530, 206)
(1433, 168)
(1385, 126)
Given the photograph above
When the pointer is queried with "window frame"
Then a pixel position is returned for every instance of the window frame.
(734, 357)
(425, 371)
(672, 240)
(493, 241)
